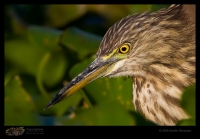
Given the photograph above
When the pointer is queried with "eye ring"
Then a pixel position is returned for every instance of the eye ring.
(124, 49)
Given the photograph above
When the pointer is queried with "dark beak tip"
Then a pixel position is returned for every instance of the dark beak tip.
(48, 106)
(55, 100)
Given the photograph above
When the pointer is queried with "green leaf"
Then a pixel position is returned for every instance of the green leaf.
(82, 42)
(141, 120)
(45, 37)
(52, 68)
(119, 89)
(29, 59)
(188, 100)
(9, 75)
(108, 113)
(19, 108)
(23, 55)
(187, 122)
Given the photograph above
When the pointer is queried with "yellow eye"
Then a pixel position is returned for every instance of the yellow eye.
(124, 49)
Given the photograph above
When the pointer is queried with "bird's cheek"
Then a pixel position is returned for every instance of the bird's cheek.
(115, 68)
(108, 71)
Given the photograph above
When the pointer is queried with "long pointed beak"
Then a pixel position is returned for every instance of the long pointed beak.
(96, 69)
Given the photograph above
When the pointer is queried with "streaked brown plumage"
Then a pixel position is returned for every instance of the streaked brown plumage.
(161, 60)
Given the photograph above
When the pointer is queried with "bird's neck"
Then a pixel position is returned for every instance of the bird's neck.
(162, 107)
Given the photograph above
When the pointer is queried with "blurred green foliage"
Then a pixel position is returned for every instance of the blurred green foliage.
(46, 46)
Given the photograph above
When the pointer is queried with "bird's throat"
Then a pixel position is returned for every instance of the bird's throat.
(158, 105)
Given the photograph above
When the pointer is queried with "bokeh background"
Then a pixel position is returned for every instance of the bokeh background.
(45, 46)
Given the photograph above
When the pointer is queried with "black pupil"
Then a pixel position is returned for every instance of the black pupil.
(124, 49)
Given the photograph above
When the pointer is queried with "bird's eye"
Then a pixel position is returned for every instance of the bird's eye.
(124, 49)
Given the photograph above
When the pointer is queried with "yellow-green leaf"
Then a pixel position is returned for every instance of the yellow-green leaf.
(19, 109)
(188, 100)
(108, 113)
(44, 37)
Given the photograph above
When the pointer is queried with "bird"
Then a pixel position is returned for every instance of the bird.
(157, 51)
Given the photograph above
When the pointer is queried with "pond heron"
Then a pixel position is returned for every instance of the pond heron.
(155, 49)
